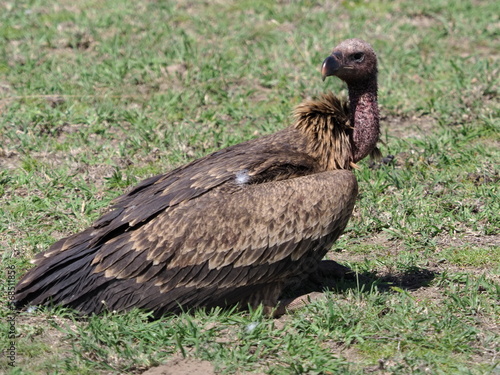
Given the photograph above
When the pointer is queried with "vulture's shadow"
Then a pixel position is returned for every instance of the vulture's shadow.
(333, 276)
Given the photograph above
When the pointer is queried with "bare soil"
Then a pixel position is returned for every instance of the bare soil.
(183, 366)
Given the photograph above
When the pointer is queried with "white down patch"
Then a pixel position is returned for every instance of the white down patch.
(242, 177)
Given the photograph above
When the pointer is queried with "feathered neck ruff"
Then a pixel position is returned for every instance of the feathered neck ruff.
(325, 121)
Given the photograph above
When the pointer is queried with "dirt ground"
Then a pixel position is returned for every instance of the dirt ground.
(180, 366)
(185, 366)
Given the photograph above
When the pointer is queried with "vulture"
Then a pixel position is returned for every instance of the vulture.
(235, 227)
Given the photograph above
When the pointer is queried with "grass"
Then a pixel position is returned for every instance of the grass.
(95, 97)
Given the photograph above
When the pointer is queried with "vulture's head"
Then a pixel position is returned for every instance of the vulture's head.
(353, 61)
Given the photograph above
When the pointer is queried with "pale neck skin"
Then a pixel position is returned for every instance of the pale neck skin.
(364, 117)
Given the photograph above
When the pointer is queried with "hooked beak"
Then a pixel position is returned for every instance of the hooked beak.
(331, 65)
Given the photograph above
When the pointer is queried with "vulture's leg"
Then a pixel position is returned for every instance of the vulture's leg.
(266, 296)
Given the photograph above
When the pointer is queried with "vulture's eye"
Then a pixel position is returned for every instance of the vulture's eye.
(358, 56)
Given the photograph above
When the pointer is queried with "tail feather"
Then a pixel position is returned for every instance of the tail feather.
(55, 278)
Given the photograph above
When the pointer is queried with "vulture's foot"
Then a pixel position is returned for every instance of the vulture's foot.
(293, 304)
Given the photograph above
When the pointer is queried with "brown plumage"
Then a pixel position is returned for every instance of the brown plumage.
(233, 227)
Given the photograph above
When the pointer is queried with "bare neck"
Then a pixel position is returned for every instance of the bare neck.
(364, 118)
